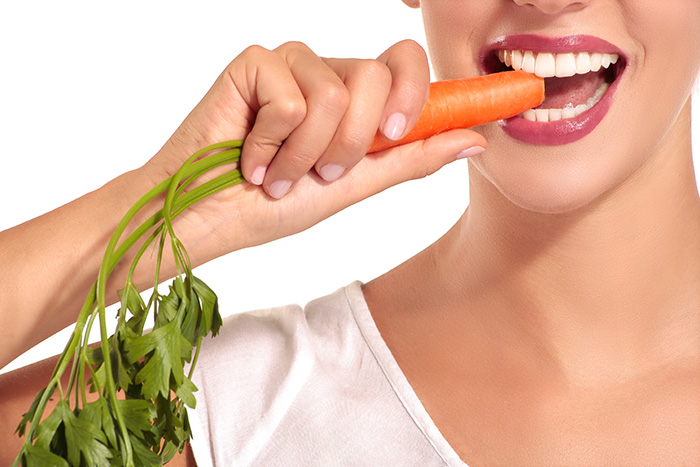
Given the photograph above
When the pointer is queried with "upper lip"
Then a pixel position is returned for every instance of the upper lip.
(539, 43)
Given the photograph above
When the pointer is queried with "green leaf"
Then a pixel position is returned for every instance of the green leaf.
(162, 349)
(179, 287)
(27, 417)
(98, 414)
(169, 451)
(137, 415)
(82, 437)
(91, 413)
(190, 321)
(168, 307)
(121, 377)
(97, 380)
(119, 374)
(185, 392)
(169, 424)
(131, 300)
(47, 430)
(211, 320)
(106, 421)
(94, 356)
(143, 456)
(37, 456)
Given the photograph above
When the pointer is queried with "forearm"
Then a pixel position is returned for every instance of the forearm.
(49, 264)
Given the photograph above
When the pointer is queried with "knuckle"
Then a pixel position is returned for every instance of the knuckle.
(254, 52)
(260, 147)
(291, 111)
(351, 142)
(298, 161)
(334, 95)
(294, 48)
(376, 72)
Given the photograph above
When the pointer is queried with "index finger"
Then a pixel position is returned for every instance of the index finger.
(410, 86)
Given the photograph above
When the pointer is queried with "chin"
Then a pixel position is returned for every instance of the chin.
(550, 201)
(556, 185)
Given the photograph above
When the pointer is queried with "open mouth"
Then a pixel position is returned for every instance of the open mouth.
(582, 74)
(574, 81)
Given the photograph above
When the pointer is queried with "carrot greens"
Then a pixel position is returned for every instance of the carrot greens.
(138, 414)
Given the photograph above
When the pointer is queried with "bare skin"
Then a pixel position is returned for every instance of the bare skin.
(531, 368)
(557, 322)
(562, 330)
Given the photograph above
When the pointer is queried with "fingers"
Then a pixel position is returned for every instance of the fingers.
(321, 115)
(387, 93)
(369, 84)
(409, 90)
(377, 172)
(277, 97)
(327, 101)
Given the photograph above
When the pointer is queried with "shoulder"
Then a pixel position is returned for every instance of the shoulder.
(274, 336)
(252, 372)
(314, 386)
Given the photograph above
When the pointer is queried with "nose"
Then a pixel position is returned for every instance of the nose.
(553, 7)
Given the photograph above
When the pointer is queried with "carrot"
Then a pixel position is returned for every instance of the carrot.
(464, 103)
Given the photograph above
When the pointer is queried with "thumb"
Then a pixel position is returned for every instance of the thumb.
(379, 171)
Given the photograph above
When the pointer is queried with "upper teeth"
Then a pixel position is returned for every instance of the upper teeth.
(561, 65)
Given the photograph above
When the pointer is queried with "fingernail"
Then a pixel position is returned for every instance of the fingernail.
(395, 126)
(470, 152)
(258, 176)
(280, 188)
(331, 172)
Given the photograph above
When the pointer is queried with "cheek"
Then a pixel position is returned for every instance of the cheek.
(454, 31)
(668, 34)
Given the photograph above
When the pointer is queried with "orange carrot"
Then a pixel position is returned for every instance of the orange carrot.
(464, 103)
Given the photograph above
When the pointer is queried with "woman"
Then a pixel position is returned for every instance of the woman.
(556, 323)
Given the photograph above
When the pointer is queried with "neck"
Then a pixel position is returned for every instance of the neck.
(616, 282)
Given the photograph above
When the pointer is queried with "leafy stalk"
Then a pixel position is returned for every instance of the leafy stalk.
(138, 415)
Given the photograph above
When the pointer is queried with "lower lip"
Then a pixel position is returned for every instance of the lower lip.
(561, 131)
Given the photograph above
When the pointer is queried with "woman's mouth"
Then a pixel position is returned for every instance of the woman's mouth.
(581, 75)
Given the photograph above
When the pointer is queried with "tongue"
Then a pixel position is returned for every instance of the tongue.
(561, 93)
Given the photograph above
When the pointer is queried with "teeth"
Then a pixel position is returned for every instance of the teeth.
(555, 114)
(568, 113)
(542, 115)
(548, 65)
(528, 62)
(560, 65)
(544, 65)
(516, 59)
(583, 63)
(565, 65)
(552, 115)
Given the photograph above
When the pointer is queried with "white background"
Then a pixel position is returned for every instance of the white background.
(89, 90)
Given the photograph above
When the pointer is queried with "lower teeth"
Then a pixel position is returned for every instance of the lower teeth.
(552, 115)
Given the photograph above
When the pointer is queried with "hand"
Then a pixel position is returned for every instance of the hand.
(307, 122)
